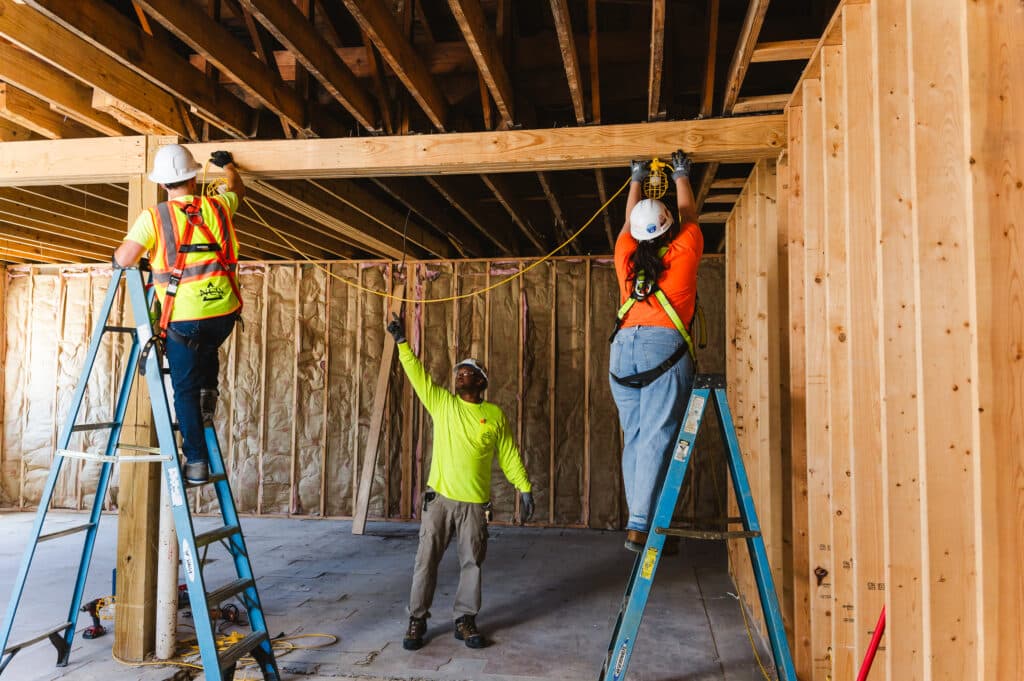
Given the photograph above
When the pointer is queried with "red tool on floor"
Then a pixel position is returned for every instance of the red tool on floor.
(869, 657)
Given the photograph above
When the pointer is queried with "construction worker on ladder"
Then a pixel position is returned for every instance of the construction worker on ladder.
(194, 254)
(652, 363)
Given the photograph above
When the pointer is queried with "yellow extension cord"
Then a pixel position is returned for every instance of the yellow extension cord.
(213, 188)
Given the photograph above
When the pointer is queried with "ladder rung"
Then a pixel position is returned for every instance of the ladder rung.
(213, 479)
(95, 456)
(232, 655)
(708, 534)
(216, 535)
(65, 532)
(119, 329)
(227, 591)
(38, 637)
(94, 426)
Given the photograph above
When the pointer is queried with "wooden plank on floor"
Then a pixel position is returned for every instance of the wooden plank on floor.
(373, 439)
(819, 474)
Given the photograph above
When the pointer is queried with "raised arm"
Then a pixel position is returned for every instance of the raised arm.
(225, 160)
(685, 201)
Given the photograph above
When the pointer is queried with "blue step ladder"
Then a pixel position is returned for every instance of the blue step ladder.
(218, 665)
(706, 387)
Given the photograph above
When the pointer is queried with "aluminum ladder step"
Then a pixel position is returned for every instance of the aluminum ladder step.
(230, 657)
(225, 592)
(216, 535)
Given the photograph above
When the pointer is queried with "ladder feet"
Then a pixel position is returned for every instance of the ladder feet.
(63, 649)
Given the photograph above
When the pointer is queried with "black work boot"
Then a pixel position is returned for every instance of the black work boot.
(465, 630)
(414, 635)
(208, 404)
(197, 472)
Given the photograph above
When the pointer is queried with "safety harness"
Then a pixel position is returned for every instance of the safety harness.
(226, 263)
(643, 289)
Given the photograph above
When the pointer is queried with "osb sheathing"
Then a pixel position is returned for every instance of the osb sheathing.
(298, 376)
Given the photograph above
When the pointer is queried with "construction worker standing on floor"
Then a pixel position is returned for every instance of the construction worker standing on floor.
(652, 361)
(194, 254)
(468, 432)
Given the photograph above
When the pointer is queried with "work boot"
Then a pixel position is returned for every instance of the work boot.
(414, 635)
(208, 404)
(636, 540)
(465, 630)
(197, 472)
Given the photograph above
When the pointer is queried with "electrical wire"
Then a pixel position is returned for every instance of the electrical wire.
(213, 189)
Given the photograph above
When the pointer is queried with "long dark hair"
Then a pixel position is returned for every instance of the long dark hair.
(646, 257)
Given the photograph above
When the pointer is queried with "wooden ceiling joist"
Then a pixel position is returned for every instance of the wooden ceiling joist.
(784, 50)
(36, 115)
(286, 23)
(101, 159)
(507, 198)
(722, 198)
(206, 36)
(89, 221)
(81, 247)
(377, 21)
(34, 254)
(594, 63)
(423, 201)
(56, 45)
(715, 217)
(602, 194)
(567, 41)
(57, 224)
(561, 224)
(12, 132)
(657, 64)
(64, 93)
(469, 15)
(760, 104)
(307, 237)
(707, 99)
(745, 45)
(461, 201)
(729, 183)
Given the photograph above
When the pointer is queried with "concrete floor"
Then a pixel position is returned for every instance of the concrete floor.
(550, 601)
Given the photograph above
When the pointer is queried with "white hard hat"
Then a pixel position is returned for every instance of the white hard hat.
(649, 219)
(173, 163)
(472, 364)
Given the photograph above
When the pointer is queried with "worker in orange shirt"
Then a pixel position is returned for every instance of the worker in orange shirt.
(651, 365)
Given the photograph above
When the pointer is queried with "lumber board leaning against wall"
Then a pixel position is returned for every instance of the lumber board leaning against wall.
(291, 362)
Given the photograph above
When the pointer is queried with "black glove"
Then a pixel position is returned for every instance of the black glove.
(639, 170)
(396, 327)
(680, 165)
(221, 158)
(526, 506)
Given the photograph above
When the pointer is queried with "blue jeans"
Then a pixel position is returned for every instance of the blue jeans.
(194, 369)
(649, 416)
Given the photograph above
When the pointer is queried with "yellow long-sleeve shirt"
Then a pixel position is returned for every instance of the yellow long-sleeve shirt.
(466, 437)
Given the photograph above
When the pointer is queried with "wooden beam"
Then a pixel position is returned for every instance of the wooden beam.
(715, 217)
(461, 202)
(380, 396)
(722, 198)
(131, 117)
(506, 197)
(707, 98)
(706, 180)
(13, 251)
(64, 94)
(595, 79)
(423, 201)
(784, 50)
(382, 27)
(556, 209)
(119, 37)
(298, 35)
(35, 114)
(469, 15)
(379, 86)
(657, 62)
(759, 104)
(12, 132)
(105, 159)
(206, 36)
(25, 204)
(65, 50)
(567, 41)
(729, 183)
(75, 249)
(831, 36)
(744, 50)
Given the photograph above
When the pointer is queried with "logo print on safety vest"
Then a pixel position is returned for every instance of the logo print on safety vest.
(211, 292)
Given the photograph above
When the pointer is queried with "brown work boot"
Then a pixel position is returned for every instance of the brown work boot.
(636, 540)
(414, 635)
(465, 630)
(208, 404)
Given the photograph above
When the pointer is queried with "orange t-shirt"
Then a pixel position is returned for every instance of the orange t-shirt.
(678, 281)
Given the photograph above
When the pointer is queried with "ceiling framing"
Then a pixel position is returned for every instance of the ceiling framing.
(462, 92)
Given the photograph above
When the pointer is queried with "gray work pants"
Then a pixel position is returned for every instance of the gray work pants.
(442, 519)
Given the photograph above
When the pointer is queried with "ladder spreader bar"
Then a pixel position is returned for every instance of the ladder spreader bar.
(66, 532)
(35, 639)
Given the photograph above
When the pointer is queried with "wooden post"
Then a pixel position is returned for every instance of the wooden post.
(139, 492)
(373, 437)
